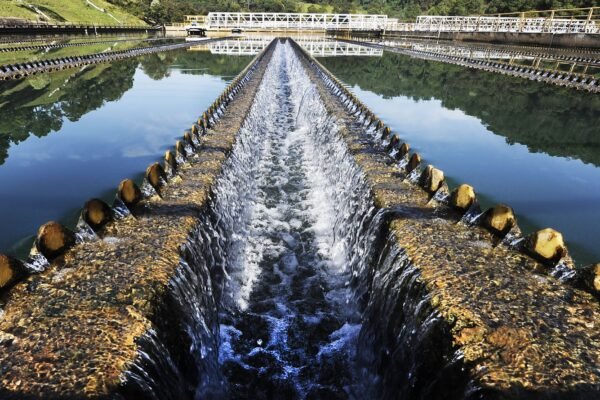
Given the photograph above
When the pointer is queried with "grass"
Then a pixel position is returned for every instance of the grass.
(50, 84)
(69, 10)
(53, 83)
(326, 9)
(36, 55)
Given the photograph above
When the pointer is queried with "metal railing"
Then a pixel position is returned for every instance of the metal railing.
(558, 21)
(315, 46)
(294, 21)
(454, 50)
(430, 23)
(195, 18)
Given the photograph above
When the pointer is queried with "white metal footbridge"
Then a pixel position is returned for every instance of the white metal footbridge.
(580, 20)
(289, 21)
(560, 21)
(429, 23)
(316, 46)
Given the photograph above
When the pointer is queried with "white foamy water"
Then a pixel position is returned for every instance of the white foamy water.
(291, 204)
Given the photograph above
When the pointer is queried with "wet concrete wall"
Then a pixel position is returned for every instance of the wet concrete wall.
(460, 304)
(123, 316)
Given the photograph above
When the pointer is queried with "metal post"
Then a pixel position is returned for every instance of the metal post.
(522, 22)
(589, 18)
(572, 68)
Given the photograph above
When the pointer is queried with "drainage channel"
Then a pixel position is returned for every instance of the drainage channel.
(59, 45)
(284, 253)
(290, 322)
(21, 70)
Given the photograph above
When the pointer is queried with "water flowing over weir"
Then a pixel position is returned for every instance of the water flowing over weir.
(292, 248)
(291, 204)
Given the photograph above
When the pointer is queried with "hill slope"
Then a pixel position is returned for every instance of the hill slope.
(173, 10)
(130, 11)
(99, 12)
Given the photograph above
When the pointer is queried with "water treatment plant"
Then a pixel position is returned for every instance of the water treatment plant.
(301, 206)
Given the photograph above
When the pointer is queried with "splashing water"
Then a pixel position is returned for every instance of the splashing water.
(292, 287)
(284, 289)
(291, 203)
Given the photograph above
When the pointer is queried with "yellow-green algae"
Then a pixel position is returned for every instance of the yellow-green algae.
(518, 330)
(72, 331)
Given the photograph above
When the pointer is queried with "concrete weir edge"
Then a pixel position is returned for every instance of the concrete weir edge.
(506, 316)
(92, 313)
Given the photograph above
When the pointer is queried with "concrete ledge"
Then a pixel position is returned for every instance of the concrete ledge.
(541, 39)
(104, 320)
(457, 313)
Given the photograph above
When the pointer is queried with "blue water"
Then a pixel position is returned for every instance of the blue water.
(69, 136)
(50, 177)
(531, 146)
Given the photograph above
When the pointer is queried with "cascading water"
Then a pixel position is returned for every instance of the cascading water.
(292, 206)
(282, 286)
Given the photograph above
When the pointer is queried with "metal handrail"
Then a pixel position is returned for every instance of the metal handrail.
(520, 24)
(24, 22)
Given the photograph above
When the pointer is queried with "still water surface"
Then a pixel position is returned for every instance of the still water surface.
(68, 136)
(72, 135)
(532, 146)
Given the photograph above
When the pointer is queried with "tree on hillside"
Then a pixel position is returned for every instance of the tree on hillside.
(160, 11)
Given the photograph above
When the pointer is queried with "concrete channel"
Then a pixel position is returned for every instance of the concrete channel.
(59, 45)
(560, 78)
(21, 70)
(455, 302)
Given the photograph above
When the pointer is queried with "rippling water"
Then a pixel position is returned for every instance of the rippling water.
(291, 205)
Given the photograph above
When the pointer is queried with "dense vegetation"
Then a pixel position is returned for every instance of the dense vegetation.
(160, 11)
(68, 10)
(173, 10)
(547, 119)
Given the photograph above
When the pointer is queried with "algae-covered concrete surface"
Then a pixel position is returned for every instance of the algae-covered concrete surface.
(502, 330)
(516, 333)
(73, 331)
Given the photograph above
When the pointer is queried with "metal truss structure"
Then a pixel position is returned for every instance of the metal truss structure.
(430, 23)
(561, 21)
(458, 51)
(294, 21)
(316, 46)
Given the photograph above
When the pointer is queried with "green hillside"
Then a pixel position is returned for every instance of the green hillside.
(105, 13)
(132, 11)
(174, 10)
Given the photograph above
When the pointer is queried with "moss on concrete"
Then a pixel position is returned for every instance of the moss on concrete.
(74, 330)
(521, 333)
